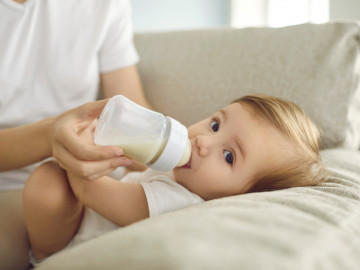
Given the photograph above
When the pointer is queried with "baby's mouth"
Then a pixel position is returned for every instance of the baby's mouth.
(187, 165)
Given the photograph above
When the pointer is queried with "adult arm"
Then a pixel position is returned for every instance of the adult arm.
(125, 81)
(121, 203)
(24, 145)
(60, 137)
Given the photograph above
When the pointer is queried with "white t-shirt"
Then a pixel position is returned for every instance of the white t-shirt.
(163, 195)
(51, 55)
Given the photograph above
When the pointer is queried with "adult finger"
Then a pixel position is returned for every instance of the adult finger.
(99, 175)
(96, 169)
(70, 140)
(86, 169)
(93, 170)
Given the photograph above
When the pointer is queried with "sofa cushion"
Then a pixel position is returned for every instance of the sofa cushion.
(297, 228)
(191, 74)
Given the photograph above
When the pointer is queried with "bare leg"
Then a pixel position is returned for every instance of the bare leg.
(51, 211)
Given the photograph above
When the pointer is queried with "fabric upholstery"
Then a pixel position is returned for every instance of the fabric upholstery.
(191, 74)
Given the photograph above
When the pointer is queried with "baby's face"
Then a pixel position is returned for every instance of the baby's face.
(229, 150)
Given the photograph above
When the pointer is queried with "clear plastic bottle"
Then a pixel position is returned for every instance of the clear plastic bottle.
(146, 136)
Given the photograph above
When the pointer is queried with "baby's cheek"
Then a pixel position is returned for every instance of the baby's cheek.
(210, 175)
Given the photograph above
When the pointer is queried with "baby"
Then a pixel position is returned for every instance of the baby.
(257, 143)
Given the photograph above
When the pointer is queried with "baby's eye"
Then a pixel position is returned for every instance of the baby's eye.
(229, 157)
(215, 125)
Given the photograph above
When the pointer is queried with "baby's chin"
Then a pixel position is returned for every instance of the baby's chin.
(180, 174)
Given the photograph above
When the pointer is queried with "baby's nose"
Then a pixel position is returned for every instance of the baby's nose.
(203, 144)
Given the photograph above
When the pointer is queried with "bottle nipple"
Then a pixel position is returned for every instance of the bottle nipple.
(186, 156)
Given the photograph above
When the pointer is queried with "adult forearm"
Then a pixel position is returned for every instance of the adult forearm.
(24, 145)
(125, 81)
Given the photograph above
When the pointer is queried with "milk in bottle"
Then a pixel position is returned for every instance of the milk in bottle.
(158, 141)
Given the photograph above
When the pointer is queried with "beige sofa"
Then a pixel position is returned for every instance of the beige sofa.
(189, 75)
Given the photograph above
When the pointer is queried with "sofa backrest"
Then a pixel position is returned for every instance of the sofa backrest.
(191, 74)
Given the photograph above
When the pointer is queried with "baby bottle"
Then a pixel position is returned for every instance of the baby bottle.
(160, 142)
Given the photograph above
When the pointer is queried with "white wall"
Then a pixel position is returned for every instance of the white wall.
(162, 15)
(345, 9)
(166, 15)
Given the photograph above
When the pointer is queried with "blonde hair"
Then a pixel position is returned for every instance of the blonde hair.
(304, 166)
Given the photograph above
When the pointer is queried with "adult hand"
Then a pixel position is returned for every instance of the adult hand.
(82, 157)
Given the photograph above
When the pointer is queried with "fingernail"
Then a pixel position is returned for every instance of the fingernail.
(119, 152)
